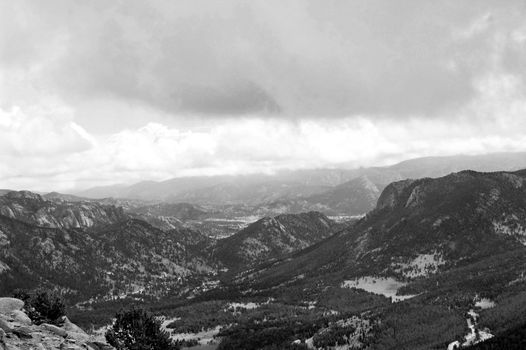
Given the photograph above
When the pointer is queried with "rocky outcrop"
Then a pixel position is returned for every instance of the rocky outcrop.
(17, 332)
(392, 193)
(354, 197)
(36, 210)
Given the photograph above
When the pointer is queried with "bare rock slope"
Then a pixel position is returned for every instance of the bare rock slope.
(17, 332)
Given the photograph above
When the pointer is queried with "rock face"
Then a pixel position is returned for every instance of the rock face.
(16, 335)
(459, 217)
(271, 238)
(9, 305)
(354, 197)
(34, 209)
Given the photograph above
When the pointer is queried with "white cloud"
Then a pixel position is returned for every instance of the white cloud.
(98, 93)
(72, 158)
(40, 131)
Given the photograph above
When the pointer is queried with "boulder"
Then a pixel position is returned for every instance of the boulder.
(9, 347)
(22, 332)
(100, 346)
(21, 317)
(69, 326)
(5, 326)
(70, 346)
(8, 305)
(80, 337)
(54, 329)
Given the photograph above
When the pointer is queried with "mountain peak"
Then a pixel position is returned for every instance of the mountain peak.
(367, 183)
(271, 237)
(391, 194)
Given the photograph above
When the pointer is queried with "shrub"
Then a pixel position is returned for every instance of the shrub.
(138, 330)
(42, 306)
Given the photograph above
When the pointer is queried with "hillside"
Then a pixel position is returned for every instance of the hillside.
(354, 197)
(181, 211)
(272, 238)
(126, 257)
(433, 247)
(446, 222)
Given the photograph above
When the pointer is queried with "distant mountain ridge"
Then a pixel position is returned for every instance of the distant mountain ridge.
(354, 197)
(294, 186)
(182, 211)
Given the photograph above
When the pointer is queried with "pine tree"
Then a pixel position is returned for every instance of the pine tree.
(136, 329)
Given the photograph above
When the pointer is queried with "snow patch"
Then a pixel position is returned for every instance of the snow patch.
(421, 266)
(344, 218)
(247, 306)
(385, 286)
(475, 335)
(310, 304)
(510, 227)
(440, 220)
(204, 337)
(253, 247)
(166, 321)
(485, 303)
(4, 267)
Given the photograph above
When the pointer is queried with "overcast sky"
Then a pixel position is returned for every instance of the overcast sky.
(102, 92)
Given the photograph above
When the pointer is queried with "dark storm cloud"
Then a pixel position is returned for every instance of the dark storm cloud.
(292, 58)
(240, 99)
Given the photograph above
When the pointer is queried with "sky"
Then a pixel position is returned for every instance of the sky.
(101, 92)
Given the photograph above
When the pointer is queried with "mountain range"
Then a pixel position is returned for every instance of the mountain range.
(450, 222)
(331, 191)
(436, 260)
(63, 244)
(259, 188)
(438, 246)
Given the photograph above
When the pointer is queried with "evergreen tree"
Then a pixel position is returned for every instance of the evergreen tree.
(138, 330)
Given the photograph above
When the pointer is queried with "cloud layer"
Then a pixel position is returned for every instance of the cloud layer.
(218, 58)
(44, 149)
(103, 92)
